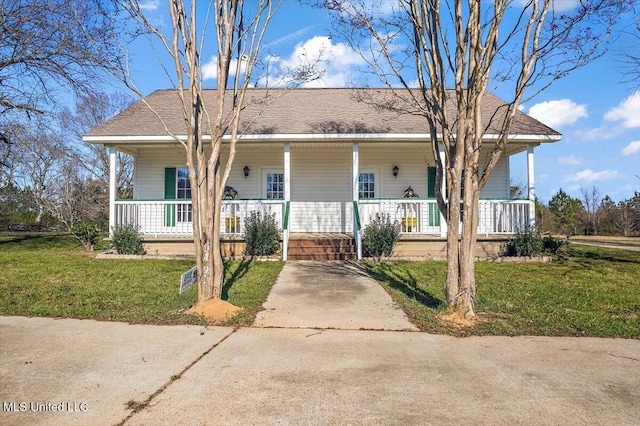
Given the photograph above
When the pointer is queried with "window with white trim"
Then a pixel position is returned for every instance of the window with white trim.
(183, 192)
(275, 186)
(366, 185)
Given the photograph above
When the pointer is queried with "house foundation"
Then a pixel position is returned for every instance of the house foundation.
(318, 247)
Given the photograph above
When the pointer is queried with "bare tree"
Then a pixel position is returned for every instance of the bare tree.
(591, 200)
(89, 112)
(439, 56)
(75, 197)
(212, 128)
(38, 155)
(50, 48)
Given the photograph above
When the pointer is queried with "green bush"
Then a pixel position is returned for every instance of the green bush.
(126, 240)
(87, 233)
(525, 242)
(551, 245)
(380, 236)
(262, 235)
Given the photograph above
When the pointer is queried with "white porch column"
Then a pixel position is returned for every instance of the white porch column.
(443, 189)
(531, 187)
(355, 170)
(287, 198)
(287, 172)
(112, 189)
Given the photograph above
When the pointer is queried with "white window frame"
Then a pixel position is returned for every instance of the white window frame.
(376, 184)
(184, 212)
(265, 177)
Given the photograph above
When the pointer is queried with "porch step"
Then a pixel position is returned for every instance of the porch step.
(322, 248)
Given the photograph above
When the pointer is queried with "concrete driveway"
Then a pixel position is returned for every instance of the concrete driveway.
(309, 376)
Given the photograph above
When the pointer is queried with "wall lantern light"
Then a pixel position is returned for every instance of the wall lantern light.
(246, 170)
(395, 171)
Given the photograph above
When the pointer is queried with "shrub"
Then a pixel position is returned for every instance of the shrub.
(380, 236)
(551, 245)
(87, 233)
(525, 242)
(262, 234)
(126, 240)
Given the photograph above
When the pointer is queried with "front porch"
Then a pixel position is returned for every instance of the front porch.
(168, 223)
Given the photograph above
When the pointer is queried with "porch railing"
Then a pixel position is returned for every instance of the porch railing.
(155, 218)
(414, 216)
(423, 216)
(502, 216)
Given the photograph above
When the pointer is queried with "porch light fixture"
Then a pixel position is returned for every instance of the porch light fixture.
(246, 170)
(395, 171)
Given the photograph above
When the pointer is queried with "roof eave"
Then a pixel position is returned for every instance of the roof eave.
(315, 137)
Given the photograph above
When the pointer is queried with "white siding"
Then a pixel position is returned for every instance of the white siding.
(321, 174)
(321, 189)
(150, 165)
(412, 162)
(498, 184)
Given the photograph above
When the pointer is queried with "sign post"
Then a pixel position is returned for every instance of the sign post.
(188, 279)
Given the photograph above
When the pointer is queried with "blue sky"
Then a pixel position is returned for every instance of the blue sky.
(595, 108)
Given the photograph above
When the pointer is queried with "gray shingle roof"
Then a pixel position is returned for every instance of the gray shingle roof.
(303, 111)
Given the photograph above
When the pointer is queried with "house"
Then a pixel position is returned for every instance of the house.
(324, 161)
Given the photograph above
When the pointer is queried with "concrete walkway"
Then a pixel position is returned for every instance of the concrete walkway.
(339, 295)
(90, 371)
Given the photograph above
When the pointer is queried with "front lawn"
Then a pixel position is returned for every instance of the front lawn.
(589, 291)
(51, 276)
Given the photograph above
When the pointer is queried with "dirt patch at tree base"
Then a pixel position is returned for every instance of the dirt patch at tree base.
(215, 309)
(458, 321)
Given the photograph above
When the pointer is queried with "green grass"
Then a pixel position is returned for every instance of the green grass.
(588, 291)
(51, 276)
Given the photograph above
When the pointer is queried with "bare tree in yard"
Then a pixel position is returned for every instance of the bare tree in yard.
(75, 197)
(39, 154)
(88, 113)
(238, 30)
(439, 57)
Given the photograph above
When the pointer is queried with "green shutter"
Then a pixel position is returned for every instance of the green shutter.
(170, 194)
(431, 182)
(434, 211)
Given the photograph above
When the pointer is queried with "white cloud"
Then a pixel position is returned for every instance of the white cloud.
(564, 5)
(588, 175)
(558, 113)
(628, 112)
(597, 133)
(557, 5)
(149, 5)
(335, 63)
(210, 69)
(632, 148)
(571, 160)
(289, 37)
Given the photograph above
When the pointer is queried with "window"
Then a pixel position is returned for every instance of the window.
(185, 212)
(275, 186)
(184, 184)
(366, 185)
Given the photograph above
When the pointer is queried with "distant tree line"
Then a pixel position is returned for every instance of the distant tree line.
(51, 178)
(54, 53)
(591, 214)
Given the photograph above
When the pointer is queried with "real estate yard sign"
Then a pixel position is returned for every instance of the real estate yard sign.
(188, 279)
